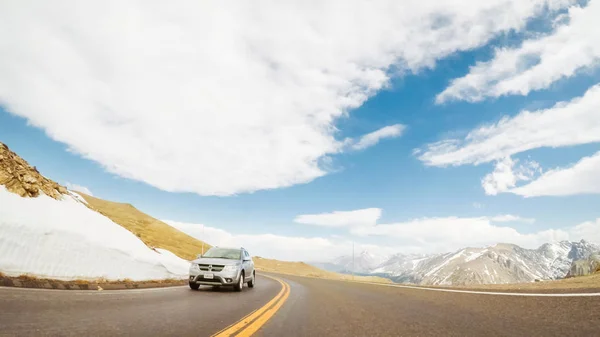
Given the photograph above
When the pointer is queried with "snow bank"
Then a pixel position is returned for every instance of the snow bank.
(78, 197)
(66, 240)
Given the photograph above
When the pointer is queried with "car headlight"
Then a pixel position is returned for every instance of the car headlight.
(194, 266)
(230, 268)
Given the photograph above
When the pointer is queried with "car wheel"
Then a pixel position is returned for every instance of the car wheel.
(240, 285)
(194, 286)
(252, 281)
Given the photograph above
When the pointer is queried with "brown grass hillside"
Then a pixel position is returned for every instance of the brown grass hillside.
(153, 232)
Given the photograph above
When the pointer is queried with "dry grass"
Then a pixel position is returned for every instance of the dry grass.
(27, 277)
(580, 282)
(154, 233)
(101, 280)
(303, 269)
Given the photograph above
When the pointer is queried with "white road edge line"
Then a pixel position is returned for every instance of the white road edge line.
(487, 292)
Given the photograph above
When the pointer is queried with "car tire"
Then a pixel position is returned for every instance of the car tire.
(194, 286)
(251, 282)
(240, 285)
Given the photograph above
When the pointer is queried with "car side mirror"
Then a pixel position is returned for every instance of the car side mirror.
(247, 259)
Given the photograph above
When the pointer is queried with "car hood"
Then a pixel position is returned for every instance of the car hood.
(208, 260)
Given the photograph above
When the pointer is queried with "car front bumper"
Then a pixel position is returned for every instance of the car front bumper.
(220, 278)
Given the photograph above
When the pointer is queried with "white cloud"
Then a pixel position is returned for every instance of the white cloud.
(78, 188)
(589, 230)
(443, 234)
(505, 176)
(373, 138)
(581, 178)
(219, 98)
(424, 235)
(288, 248)
(360, 217)
(511, 218)
(566, 124)
(574, 45)
(478, 205)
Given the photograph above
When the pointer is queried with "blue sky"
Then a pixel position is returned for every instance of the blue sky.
(74, 133)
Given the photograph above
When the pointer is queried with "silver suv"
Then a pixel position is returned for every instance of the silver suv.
(223, 267)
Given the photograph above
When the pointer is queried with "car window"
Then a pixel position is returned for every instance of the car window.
(224, 253)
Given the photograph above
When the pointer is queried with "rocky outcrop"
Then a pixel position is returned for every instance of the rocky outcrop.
(17, 176)
(585, 266)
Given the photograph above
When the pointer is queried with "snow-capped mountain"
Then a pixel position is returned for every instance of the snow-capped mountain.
(401, 267)
(500, 263)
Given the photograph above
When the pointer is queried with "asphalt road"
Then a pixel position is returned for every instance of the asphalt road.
(312, 307)
(335, 308)
(176, 311)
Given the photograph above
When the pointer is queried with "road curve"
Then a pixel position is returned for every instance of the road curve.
(297, 307)
(176, 311)
(336, 308)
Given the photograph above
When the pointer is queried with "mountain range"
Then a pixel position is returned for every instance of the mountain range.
(500, 263)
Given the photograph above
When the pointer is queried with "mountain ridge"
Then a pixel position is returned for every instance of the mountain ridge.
(501, 263)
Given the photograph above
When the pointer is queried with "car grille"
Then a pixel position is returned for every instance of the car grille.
(211, 267)
(213, 281)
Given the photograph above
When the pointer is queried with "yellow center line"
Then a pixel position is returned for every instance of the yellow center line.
(260, 321)
(255, 319)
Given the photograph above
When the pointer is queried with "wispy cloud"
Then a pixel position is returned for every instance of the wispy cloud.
(565, 124)
(435, 234)
(448, 233)
(581, 178)
(505, 175)
(359, 217)
(537, 62)
(510, 218)
(374, 137)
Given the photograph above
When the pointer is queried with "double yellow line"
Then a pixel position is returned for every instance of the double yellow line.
(248, 325)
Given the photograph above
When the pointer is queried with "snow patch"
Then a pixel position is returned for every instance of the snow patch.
(78, 197)
(416, 262)
(455, 256)
(474, 255)
(63, 239)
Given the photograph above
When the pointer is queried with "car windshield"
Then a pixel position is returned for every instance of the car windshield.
(224, 253)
